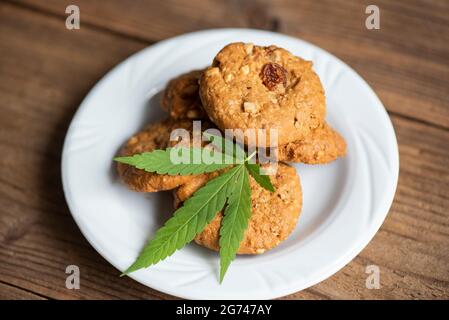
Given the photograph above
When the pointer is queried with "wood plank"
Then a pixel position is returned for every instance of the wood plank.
(41, 86)
(412, 246)
(8, 292)
(405, 61)
(45, 71)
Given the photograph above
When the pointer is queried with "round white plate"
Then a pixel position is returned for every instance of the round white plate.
(344, 203)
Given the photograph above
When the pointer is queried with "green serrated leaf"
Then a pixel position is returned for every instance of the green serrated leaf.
(235, 220)
(263, 180)
(189, 220)
(227, 146)
(162, 161)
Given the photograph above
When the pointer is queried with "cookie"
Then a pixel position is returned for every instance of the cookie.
(257, 87)
(273, 218)
(181, 98)
(187, 189)
(322, 145)
(154, 136)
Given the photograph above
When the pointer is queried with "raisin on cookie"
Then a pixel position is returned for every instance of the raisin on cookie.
(154, 136)
(273, 218)
(181, 98)
(322, 145)
(256, 87)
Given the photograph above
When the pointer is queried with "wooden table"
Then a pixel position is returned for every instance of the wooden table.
(46, 70)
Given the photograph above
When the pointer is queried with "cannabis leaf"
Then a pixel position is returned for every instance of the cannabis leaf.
(231, 189)
(263, 180)
(161, 161)
(235, 220)
(188, 221)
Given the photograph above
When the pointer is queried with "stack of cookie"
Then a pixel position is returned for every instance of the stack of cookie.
(246, 87)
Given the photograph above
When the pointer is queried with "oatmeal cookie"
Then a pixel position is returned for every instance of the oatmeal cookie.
(322, 145)
(181, 98)
(154, 136)
(273, 218)
(251, 86)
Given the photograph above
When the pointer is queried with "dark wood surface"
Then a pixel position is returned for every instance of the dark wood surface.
(46, 70)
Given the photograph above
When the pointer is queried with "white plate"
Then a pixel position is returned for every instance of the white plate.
(344, 204)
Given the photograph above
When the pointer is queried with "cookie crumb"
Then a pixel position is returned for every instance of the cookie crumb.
(192, 114)
(249, 48)
(212, 71)
(277, 56)
(250, 107)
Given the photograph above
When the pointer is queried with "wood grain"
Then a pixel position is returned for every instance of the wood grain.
(8, 292)
(46, 70)
(406, 61)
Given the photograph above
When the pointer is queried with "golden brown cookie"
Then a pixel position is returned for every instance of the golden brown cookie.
(181, 98)
(154, 136)
(273, 218)
(251, 86)
(322, 145)
(187, 189)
